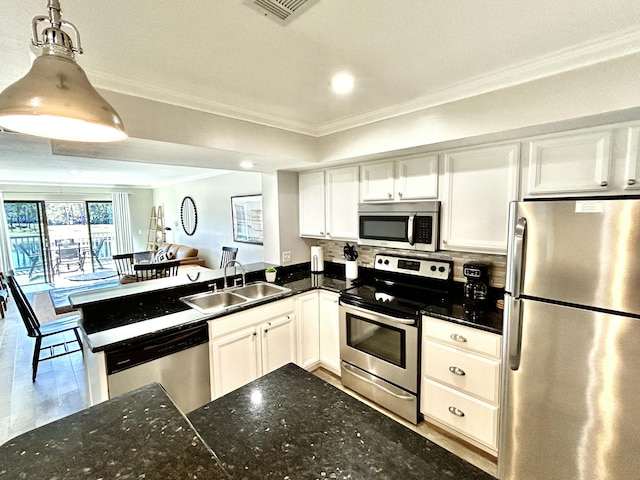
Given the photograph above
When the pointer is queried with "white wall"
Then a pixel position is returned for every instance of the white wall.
(212, 197)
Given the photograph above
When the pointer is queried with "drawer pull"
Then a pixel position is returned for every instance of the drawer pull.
(457, 371)
(456, 411)
(456, 337)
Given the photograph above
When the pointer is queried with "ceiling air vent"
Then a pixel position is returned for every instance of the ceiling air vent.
(280, 11)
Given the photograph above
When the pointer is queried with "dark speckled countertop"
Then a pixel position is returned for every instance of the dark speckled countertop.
(289, 424)
(141, 434)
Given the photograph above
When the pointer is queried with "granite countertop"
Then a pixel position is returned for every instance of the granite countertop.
(291, 424)
(141, 434)
(288, 424)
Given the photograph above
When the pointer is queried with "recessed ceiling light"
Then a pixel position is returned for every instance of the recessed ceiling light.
(342, 83)
(247, 164)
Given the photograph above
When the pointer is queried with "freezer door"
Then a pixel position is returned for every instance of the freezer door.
(583, 252)
(570, 403)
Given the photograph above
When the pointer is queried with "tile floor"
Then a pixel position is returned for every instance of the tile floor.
(60, 390)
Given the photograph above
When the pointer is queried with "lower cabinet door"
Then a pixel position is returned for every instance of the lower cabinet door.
(469, 416)
(235, 360)
(278, 343)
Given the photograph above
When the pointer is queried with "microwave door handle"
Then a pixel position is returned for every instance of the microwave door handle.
(412, 218)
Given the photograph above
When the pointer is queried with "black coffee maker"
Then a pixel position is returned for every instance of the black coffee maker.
(477, 287)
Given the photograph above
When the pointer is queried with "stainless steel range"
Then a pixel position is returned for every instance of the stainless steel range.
(380, 330)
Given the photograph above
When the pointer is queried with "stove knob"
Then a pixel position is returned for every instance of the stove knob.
(386, 262)
(441, 269)
(380, 261)
(433, 268)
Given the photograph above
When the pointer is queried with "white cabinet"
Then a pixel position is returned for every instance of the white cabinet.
(477, 186)
(460, 384)
(329, 203)
(307, 313)
(249, 344)
(632, 166)
(311, 196)
(407, 179)
(329, 331)
(570, 164)
(342, 203)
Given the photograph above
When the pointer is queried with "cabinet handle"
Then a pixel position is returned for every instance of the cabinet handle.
(456, 411)
(400, 194)
(390, 195)
(456, 337)
(255, 333)
(631, 181)
(457, 371)
(604, 183)
(321, 233)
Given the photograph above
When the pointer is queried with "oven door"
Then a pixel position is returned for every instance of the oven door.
(384, 346)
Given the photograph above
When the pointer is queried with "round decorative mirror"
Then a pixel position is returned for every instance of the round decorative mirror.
(188, 215)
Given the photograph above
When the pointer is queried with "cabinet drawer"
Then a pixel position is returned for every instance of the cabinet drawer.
(467, 415)
(461, 337)
(474, 375)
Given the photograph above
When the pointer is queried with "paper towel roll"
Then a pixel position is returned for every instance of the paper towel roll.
(317, 259)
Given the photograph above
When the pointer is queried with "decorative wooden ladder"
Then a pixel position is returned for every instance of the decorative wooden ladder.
(155, 235)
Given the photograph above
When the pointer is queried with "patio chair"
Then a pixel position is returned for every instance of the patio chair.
(33, 254)
(69, 254)
(150, 271)
(49, 329)
(96, 251)
(228, 254)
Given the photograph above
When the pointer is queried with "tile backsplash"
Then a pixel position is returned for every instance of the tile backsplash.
(333, 253)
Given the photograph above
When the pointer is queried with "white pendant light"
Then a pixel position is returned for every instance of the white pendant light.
(55, 99)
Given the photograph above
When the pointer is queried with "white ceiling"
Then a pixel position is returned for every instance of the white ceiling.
(223, 57)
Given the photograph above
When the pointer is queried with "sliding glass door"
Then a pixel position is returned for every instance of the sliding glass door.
(29, 244)
(56, 241)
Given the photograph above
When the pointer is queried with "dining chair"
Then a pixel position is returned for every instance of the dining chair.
(228, 254)
(42, 331)
(150, 271)
(124, 267)
(4, 295)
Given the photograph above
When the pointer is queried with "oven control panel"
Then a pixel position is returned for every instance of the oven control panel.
(421, 267)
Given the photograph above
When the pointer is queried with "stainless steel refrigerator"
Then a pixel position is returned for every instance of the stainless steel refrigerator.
(571, 383)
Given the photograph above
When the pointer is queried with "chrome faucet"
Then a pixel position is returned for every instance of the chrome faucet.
(244, 282)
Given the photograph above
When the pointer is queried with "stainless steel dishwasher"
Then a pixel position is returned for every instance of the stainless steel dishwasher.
(178, 361)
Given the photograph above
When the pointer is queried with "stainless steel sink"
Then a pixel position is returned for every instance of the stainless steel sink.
(210, 302)
(258, 290)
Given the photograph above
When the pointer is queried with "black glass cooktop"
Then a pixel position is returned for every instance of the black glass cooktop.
(394, 299)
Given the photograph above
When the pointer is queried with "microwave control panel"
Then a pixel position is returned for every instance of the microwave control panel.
(423, 227)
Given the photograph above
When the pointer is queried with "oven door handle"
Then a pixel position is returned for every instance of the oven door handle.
(348, 368)
(403, 321)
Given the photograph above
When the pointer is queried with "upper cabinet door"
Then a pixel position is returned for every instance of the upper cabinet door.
(342, 203)
(632, 170)
(377, 182)
(312, 204)
(477, 186)
(417, 178)
(569, 164)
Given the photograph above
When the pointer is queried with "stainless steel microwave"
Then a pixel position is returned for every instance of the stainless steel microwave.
(407, 225)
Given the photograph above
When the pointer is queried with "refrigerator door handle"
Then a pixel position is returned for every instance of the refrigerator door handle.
(513, 311)
(514, 274)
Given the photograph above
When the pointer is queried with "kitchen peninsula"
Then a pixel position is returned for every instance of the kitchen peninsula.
(287, 424)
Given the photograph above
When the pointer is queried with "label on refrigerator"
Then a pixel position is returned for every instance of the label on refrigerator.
(589, 206)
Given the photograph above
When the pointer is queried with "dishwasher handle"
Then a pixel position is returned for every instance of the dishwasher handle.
(156, 347)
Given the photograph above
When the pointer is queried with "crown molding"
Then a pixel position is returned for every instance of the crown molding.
(585, 54)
